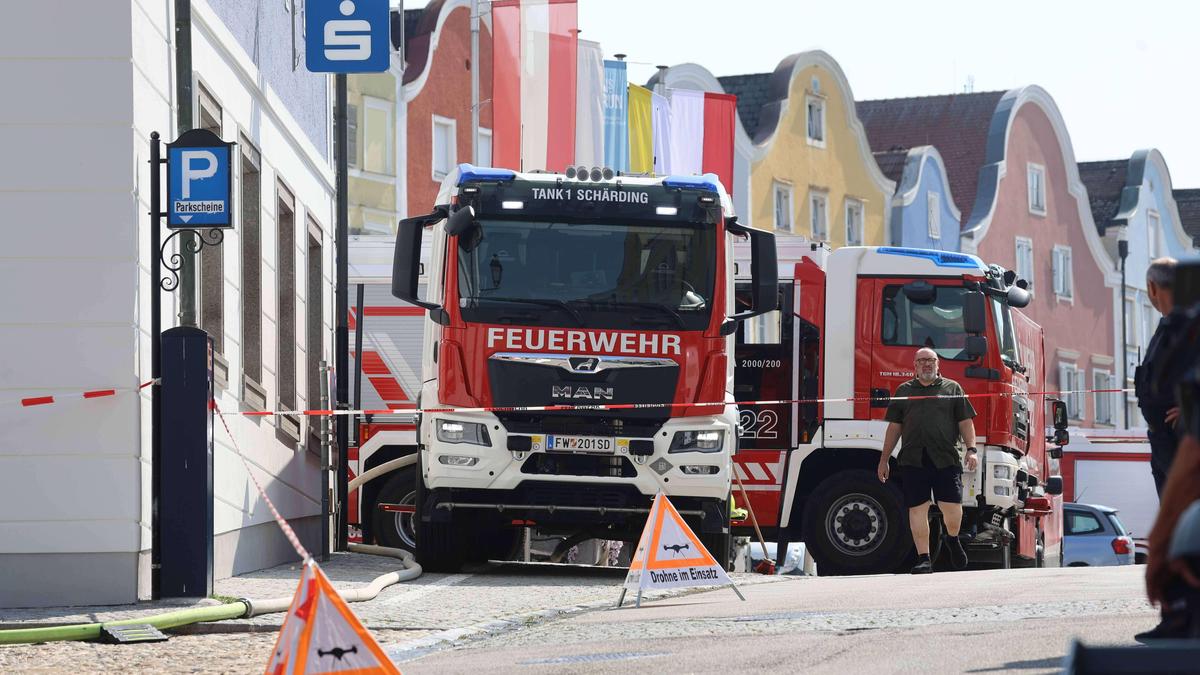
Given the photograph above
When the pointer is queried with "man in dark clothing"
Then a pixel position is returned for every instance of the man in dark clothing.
(1157, 399)
(929, 460)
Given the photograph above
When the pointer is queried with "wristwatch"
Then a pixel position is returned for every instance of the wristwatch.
(972, 450)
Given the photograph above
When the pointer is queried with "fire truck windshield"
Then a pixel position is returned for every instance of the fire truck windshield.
(602, 275)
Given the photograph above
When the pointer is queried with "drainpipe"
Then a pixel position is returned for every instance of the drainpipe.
(1123, 253)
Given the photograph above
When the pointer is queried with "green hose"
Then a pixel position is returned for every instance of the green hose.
(91, 631)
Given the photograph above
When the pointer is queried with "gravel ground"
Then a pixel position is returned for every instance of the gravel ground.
(410, 619)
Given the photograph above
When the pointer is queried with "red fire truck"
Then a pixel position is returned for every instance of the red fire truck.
(843, 339)
(576, 358)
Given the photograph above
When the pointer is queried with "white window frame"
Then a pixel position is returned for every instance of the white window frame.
(811, 101)
(779, 187)
(1154, 238)
(1040, 172)
(453, 124)
(815, 195)
(1064, 275)
(1102, 378)
(389, 131)
(484, 132)
(1068, 380)
(1028, 273)
(352, 142)
(933, 214)
(851, 204)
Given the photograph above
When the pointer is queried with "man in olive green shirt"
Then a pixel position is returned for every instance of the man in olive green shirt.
(929, 461)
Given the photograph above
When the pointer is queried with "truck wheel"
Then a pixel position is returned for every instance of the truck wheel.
(393, 529)
(853, 524)
(441, 549)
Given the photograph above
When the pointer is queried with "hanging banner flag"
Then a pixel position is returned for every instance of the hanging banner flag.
(506, 84)
(720, 111)
(660, 118)
(616, 116)
(589, 106)
(321, 635)
(641, 131)
(534, 68)
(687, 133)
(670, 555)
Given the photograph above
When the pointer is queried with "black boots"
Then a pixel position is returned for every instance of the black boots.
(923, 565)
(958, 555)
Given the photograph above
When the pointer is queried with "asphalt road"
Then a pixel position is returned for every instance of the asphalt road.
(972, 622)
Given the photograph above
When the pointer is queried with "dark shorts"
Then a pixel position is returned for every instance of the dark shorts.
(918, 482)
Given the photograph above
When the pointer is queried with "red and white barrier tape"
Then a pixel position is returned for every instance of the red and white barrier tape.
(32, 401)
(279, 519)
(645, 406)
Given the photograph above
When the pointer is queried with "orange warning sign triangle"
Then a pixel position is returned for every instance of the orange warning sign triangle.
(322, 635)
(673, 543)
(670, 555)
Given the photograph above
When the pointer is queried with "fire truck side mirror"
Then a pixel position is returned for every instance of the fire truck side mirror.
(975, 313)
(977, 346)
(1058, 413)
(1018, 297)
(1054, 485)
(406, 263)
(764, 273)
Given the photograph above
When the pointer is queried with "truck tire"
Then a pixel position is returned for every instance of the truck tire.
(397, 530)
(440, 546)
(853, 524)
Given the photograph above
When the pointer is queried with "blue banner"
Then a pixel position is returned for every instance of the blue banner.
(616, 116)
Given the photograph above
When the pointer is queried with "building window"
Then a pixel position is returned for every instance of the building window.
(816, 120)
(1037, 189)
(1103, 401)
(212, 258)
(378, 127)
(1025, 260)
(1153, 235)
(314, 333)
(250, 209)
(783, 206)
(352, 135)
(1064, 284)
(485, 147)
(818, 216)
(854, 222)
(445, 152)
(933, 215)
(1069, 383)
(285, 320)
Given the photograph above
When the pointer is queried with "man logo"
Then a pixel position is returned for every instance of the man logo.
(581, 393)
(584, 364)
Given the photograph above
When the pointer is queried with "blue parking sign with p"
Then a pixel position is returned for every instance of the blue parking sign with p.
(199, 181)
(347, 36)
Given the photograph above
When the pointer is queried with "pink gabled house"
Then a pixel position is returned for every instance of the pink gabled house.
(1025, 208)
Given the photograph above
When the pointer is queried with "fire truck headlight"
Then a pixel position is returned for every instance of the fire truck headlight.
(1002, 472)
(458, 460)
(452, 431)
(697, 441)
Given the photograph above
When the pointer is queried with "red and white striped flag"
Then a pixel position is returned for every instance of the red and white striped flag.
(534, 68)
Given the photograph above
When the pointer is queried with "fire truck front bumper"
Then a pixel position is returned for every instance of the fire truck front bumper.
(687, 456)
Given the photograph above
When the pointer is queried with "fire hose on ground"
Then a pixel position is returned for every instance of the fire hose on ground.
(243, 608)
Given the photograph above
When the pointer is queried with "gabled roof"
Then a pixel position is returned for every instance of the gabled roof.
(419, 25)
(1188, 202)
(752, 94)
(1104, 182)
(411, 18)
(892, 163)
(956, 124)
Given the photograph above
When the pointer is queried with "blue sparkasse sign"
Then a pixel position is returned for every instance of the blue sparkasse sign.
(347, 36)
(199, 181)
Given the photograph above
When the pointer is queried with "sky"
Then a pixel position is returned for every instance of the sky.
(1124, 74)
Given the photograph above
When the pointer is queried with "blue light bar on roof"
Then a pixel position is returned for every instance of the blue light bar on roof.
(939, 258)
(467, 172)
(708, 181)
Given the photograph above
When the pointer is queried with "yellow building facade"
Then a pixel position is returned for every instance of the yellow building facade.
(811, 168)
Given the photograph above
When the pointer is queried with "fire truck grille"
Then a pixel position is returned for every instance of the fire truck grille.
(576, 425)
(600, 466)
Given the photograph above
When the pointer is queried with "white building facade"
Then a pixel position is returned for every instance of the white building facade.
(75, 475)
